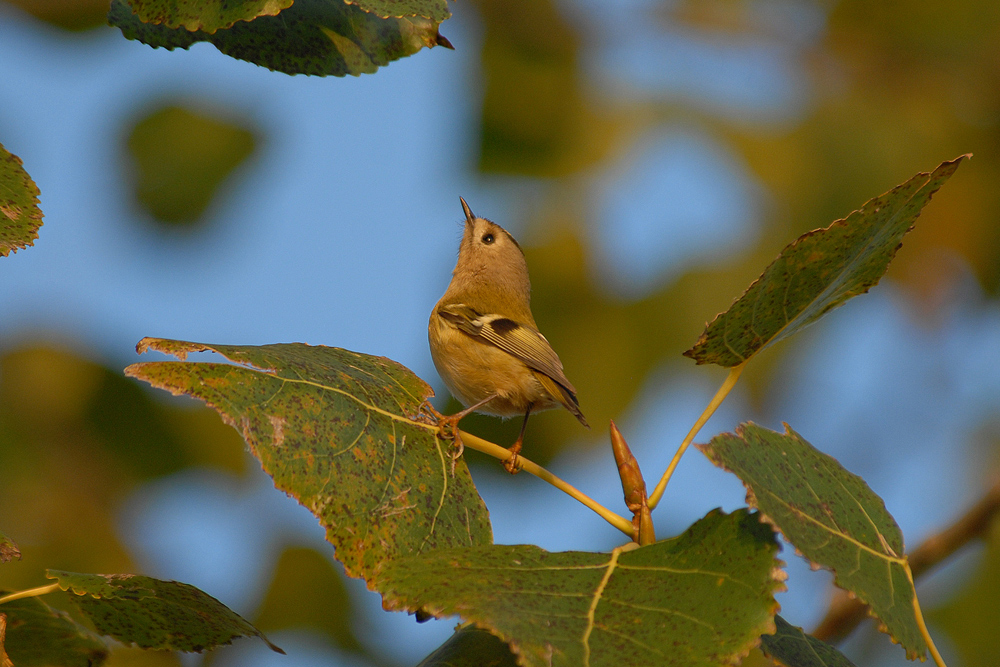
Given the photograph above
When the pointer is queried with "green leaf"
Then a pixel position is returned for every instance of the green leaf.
(703, 598)
(153, 613)
(205, 15)
(436, 10)
(40, 636)
(319, 37)
(818, 272)
(794, 648)
(471, 647)
(20, 216)
(831, 516)
(8, 550)
(344, 434)
(180, 157)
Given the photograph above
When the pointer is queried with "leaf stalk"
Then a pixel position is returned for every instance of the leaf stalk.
(30, 593)
(720, 396)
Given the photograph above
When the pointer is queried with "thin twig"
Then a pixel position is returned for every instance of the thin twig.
(845, 612)
(30, 593)
(720, 395)
(498, 452)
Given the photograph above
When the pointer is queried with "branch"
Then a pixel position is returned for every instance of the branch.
(845, 612)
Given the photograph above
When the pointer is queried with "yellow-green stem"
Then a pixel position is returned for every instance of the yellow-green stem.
(30, 593)
(938, 660)
(727, 386)
(498, 452)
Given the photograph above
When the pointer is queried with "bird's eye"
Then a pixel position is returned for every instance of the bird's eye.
(488, 239)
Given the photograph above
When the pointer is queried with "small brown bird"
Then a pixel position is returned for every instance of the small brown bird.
(484, 340)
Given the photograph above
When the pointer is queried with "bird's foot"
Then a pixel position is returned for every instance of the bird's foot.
(513, 464)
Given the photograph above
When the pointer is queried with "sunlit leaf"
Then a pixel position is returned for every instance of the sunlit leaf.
(831, 516)
(794, 648)
(818, 272)
(436, 10)
(179, 159)
(703, 598)
(20, 216)
(40, 636)
(343, 433)
(319, 37)
(205, 15)
(8, 550)
(471, 647)
(153, 613)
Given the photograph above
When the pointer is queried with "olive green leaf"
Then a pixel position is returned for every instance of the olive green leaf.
(471, 647)
(703, 598)
(40, 636)
(794, 648)
(20, 216)
(153, 613)
(831, 516)
(436, 10)
(319, 37)
(8, 550)
(205, 15)
(818, 272)
(344, 434)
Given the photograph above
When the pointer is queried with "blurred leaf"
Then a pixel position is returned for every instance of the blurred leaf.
(703, 598)
(795, 648)
(20, 216)
(319, 37)
(831, 516)
(40, 636)
(436, 10)
(181, 157)
(153, 613)
(8, 550)
(970, 619)
(535, 116)
(204, 15)
(818, 272)
(306, 592)
(73, 15)
(471, 647)
(343, 433)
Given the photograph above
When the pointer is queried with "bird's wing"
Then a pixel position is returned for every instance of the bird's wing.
(518, 340)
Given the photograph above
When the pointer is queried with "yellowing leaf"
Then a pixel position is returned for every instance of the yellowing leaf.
(20, 216)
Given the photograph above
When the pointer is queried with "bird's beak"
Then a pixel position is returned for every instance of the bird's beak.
(469, 217)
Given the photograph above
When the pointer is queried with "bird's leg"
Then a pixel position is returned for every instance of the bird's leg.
(511, 464)
(448, 425)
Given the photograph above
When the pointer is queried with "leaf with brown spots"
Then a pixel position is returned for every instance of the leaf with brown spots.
(153, 613)
(39, 636)
(204, 15)
(831, 516)
(344, 434)
(701, 599)
(429, 9)
(818, 272)
(311, 37)
(20, 216)
(8, 550)
(794, 648)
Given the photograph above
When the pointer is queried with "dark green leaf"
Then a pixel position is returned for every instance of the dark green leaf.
(471, 647)
(703, 598)
(153, 613)
(344, 434)
(205, 15)
(831, 516)
(818, 272)
(320, 37)
(436, 10)
(20, 216)
(8, 550)
(40, 636)
(794, 648)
